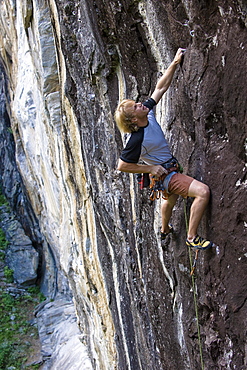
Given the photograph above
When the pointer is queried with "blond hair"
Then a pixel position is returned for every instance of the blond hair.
(123, 116)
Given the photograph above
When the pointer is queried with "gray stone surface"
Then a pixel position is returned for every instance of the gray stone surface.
(24, 261)
(20, 255)
(62, 342)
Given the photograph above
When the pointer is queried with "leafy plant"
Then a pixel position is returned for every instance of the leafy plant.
(35, 291)
(5, 352)
(3, 242)
(9, 274)
(16, 330)
(3, 200)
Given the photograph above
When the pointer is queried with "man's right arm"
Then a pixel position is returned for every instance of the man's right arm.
(165, 81)
(155, 170)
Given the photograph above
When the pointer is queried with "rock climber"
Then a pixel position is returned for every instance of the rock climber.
(146, 142)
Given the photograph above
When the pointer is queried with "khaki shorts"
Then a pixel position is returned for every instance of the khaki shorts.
(179, 184)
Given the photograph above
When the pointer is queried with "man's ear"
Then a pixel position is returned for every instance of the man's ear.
(134, 119)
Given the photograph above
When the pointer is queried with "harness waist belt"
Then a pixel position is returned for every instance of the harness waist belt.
(171, 163)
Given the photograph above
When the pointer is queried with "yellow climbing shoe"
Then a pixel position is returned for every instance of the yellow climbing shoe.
(199, 243)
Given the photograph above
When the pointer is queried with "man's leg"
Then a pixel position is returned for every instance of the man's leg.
(166, 212)
(187, 186)
(201, 193)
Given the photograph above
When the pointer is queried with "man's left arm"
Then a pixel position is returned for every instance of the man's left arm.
(165, 81)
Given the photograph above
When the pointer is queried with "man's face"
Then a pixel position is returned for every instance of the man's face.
(139, 113)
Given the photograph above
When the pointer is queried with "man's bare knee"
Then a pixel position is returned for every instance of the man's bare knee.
(198, 189)
(205, 192)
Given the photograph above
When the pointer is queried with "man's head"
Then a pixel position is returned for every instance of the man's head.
(130, 116)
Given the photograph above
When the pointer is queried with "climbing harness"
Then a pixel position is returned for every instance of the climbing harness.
(192, 270)
(159, 186)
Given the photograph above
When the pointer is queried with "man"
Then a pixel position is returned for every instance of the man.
(147, 143)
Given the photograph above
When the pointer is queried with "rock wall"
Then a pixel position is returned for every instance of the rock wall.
(65, 65)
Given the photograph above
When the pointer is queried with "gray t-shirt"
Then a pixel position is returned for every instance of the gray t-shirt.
(148, 143)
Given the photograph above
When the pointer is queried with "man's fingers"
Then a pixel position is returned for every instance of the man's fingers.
(162, 171)
(182, 52)
(159, 171)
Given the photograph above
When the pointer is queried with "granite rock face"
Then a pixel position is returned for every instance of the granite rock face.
(21, 256)
(65, 66)
(63, 347)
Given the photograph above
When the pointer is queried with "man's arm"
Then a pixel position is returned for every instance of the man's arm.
(165, 81)
(155, 170)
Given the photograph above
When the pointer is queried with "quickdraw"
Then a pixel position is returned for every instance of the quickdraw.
(193, 267)
(157, 188)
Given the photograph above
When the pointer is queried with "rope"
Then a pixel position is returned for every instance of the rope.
(192, 268)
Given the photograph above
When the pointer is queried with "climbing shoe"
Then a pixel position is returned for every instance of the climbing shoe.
(199, 243)
(164, 235)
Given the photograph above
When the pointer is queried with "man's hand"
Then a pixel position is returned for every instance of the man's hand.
(158, 171)
(179, 56)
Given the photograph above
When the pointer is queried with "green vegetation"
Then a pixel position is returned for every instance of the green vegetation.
(35, 292)
(9, 274)
(3, 242)
(3, 200)
(18, 333)
(16, 330)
